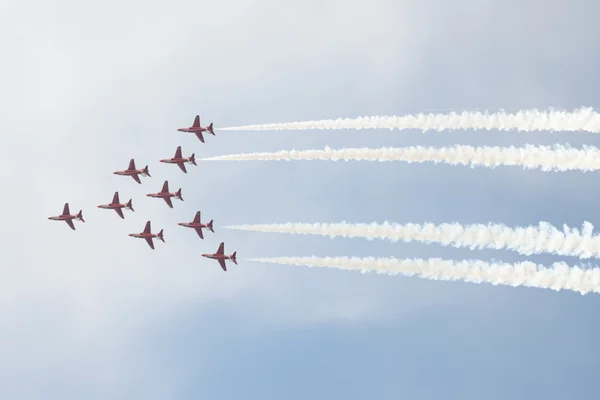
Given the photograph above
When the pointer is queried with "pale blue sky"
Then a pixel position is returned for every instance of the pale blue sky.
(97, 314)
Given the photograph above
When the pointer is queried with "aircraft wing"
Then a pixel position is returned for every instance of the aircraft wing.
(196, 121)
(199, 134)
(221, 249)
(147, 227)
(66, 209)
(116, 198)
(150, 242)
(182, 166)
(168, 201)
(178, 152)
(120, 212)
(131, 165)
(165, 188)
(136, 178)
(199, 232)
(70, 223)
(222, 262)
(197, 217)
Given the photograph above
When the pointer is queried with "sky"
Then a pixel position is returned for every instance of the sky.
(95, 314)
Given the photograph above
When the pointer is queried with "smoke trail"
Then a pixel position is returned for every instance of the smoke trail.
(546, 158)
(544, 238)
(583, 119)
(557, 277)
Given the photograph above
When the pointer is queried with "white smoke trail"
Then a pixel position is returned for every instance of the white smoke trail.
(583, 119)
(544, 238)
(546, 158)
(557, 277)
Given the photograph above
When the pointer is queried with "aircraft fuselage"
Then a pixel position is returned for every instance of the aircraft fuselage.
(162, 195)
(63, 217)
(176, 160)
(192, 225)
(112, 206)
(216, 256)
(143, 235)
(192, 130)
(132, 172)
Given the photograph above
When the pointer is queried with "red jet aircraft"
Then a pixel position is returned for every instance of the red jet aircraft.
(180, 161)
(148, 235)
(197, 225)
(133, 172)
(197, 129)
(221, 257)
(67, 217)
(117, 206)
(165, 195)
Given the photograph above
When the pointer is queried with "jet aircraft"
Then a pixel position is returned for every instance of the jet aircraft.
(165, 195)
(67, 217)
(197, 129)
(197, 225)
(117, 206)
(133, 172)
(221, 257)
(148, 235)
(179, 160)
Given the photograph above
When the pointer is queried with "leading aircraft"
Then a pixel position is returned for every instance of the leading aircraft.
(67, 217)
(179, 160)
(133, 172)
(148, 235)
(221, 257)
(197, 129)
(165, 195)
(197, 225)
(117, 206)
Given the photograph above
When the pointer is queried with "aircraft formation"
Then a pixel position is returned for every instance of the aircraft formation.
(164, 194)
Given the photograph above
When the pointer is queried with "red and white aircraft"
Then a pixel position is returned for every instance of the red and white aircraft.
(148, 235)
(197, 225)
(221, 257)
(133, 172)
(197, 129)
(179, 160)
(165, 195)
(117, 206)
(67, 217)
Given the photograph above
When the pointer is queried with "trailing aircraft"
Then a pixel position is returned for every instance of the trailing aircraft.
(67, 217)
(197, 129)
(221, 257)
(133, 172)
(148, 235)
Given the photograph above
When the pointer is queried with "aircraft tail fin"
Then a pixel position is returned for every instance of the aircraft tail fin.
(80, 216)
(178, 194)
(146, 172)
(233, 257)
(210, 226)
(130, 205)
(210, 129)
(193, 159)
(160, 235)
